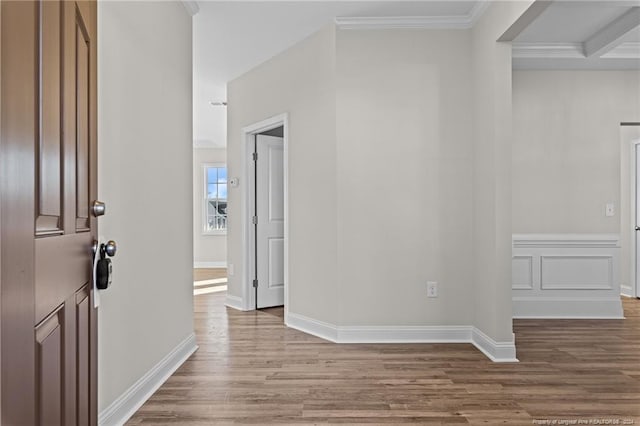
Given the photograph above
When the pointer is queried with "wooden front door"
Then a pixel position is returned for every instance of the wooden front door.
(48, 182)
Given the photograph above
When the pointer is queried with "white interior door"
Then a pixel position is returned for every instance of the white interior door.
(270, 221)
(637, 223)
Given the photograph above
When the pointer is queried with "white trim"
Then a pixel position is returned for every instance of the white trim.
(633, 263)
(547, 50)
(628, 50)
(578, 307)
(222, 264)
(573, 276)
(495, 351)
(404, 334)
(248, 296)
(627, 290)
(311, 326)
(461, 22)
(235, 302)
(566, 240)
(132, 399)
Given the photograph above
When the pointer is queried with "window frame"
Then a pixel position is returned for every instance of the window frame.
(205, 200)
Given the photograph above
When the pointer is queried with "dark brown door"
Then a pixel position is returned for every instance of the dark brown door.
(48, 182)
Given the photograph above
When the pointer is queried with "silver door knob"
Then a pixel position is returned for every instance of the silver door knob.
(637, 228)
(110, 248)
(98, 208)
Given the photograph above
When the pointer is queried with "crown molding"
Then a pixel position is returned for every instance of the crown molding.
(628, 50)
(414, 22)
(547, 50)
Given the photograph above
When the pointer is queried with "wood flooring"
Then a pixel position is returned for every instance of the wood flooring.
(202, 274)
(251, 369)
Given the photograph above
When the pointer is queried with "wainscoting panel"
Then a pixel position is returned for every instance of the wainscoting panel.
(566, 276)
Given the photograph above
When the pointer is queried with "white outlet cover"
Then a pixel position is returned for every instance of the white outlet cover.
(609, 210)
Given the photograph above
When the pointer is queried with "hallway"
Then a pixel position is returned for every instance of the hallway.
(250, 369)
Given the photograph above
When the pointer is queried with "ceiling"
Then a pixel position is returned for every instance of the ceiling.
(581, 35)
(232, 37)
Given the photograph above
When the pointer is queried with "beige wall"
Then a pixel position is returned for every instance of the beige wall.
(208, 249)
(400, 163)
(492, 135)
(404, 164)
(567, 156)
(566, 153)
(300, 82)
(145, 178)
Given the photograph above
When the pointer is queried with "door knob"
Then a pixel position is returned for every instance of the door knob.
(110, 248)
(98, 208)
(637, 228)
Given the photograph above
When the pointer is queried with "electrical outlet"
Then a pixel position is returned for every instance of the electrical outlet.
(231, 269)
(609, 210)
(432, 289)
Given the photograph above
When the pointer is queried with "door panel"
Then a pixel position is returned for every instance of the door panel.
(48, 178)
(49, 147)
(270, 227)
(82, 123)
(49, 357)
(72, 264)
(83, 315)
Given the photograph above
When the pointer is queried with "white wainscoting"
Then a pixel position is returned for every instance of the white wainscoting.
(566, 276)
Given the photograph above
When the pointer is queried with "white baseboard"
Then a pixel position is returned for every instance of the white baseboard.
(311, 326)
(198, 265)
(627, 290)
(234, 302)
(496, 351)
(404, 334)
(568, 307)
(132, 399)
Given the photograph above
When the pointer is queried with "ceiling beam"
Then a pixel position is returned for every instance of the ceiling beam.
(611, 35)
(530, 15)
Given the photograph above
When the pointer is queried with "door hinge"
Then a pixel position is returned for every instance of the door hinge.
(255, 283)
(254, 220)
(254, 156)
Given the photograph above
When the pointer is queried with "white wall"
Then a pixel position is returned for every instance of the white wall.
(300, 81)
(566, 150)
(208, 250)
(404, 164)
(145, 178)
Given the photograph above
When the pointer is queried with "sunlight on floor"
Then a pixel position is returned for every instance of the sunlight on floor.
(207, 290)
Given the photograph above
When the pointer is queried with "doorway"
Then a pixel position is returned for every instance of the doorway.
(266, 215)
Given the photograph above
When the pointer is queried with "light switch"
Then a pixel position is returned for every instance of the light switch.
(609, 209)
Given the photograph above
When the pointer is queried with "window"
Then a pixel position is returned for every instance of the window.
(215, 214)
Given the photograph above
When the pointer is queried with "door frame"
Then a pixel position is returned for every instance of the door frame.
(248, 229)
(632, 147)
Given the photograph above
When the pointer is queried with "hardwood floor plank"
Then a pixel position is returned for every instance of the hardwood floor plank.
(250, 369)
